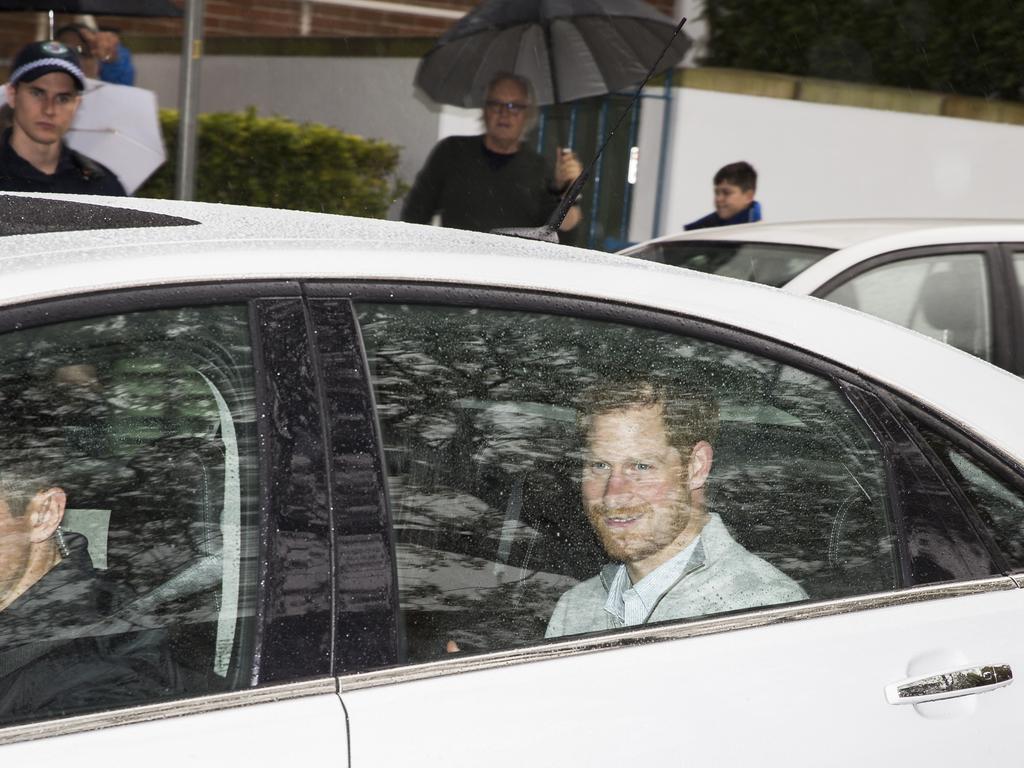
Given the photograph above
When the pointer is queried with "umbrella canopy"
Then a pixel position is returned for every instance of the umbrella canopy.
(95, 7)
(118, 125)
(568, 49)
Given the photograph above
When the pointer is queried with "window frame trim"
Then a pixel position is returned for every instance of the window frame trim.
(84, 306)
(676, 629)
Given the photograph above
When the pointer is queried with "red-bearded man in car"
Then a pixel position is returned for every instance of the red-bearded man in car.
(647, 457)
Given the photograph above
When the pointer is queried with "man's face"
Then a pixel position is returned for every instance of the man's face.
(635, 489)
(730, 199)
(505, 113)
(45, 107)
(15, 547)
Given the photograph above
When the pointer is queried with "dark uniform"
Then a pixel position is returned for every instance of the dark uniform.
(51, 663)
(76, 174)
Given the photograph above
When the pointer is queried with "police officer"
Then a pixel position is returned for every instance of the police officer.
(44, 92)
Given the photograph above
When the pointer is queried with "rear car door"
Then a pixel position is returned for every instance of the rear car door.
(183, 427)
(465, 526)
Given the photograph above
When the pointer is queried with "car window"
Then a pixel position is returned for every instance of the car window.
(141, 427)
(999, 504)
(944, 296)
(765, 263)
(481, 417)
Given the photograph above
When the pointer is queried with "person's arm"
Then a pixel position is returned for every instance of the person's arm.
(567, 168)
(572, 219)
(423, 200)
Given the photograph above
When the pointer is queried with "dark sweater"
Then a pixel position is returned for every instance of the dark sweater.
(67, 669)
(76, 174)
(474, 188)
(749, 214)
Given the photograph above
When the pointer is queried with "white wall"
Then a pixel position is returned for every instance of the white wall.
(819, 161)
(814, 161)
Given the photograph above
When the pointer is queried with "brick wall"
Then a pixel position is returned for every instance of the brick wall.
(269, 18)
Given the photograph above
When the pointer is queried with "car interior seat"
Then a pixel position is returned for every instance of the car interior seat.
(168, 515)
(953, 302)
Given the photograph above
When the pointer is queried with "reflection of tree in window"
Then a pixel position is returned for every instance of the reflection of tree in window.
(479, 412)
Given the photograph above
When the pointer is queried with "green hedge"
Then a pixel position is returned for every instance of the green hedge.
(278, 163)
(972, 47)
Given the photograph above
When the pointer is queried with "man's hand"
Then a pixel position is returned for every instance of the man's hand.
(105, 47)
(567, 168)
(572, 219)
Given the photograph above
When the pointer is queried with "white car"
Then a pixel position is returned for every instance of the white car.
(959, 281)
(326, 469)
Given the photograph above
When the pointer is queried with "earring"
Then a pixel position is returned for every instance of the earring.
(62, 546)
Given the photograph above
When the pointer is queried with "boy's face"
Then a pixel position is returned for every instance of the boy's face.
(730, 199)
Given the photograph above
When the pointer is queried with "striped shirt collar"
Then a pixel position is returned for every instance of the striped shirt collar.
(632, 604)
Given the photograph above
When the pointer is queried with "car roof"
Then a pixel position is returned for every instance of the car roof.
(833, 234)
(939, 234)
(241, 243)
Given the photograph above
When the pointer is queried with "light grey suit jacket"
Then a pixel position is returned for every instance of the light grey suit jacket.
(721, 576)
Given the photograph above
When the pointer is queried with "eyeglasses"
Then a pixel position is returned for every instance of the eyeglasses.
(512, 107)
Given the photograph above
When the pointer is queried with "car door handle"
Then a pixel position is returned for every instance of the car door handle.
(949, 685)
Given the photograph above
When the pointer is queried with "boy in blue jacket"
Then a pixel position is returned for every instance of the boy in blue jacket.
(735, 187)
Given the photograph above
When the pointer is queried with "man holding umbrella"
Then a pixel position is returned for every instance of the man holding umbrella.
(44, 92)
(492, 181)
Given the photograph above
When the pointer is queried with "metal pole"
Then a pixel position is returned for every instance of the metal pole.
(666, 129)
(595, 195)
(191, 56)
(627, 193)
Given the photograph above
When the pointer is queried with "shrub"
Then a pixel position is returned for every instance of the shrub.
(278, 163)
(972, 47)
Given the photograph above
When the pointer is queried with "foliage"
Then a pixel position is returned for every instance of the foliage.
(972, 47)
(278, 163)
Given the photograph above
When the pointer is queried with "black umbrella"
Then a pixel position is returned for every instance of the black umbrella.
(95, 7)
(568, 49)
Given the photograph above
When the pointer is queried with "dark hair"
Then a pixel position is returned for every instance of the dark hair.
(741, 174)
(32, 441)
(689, 410)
